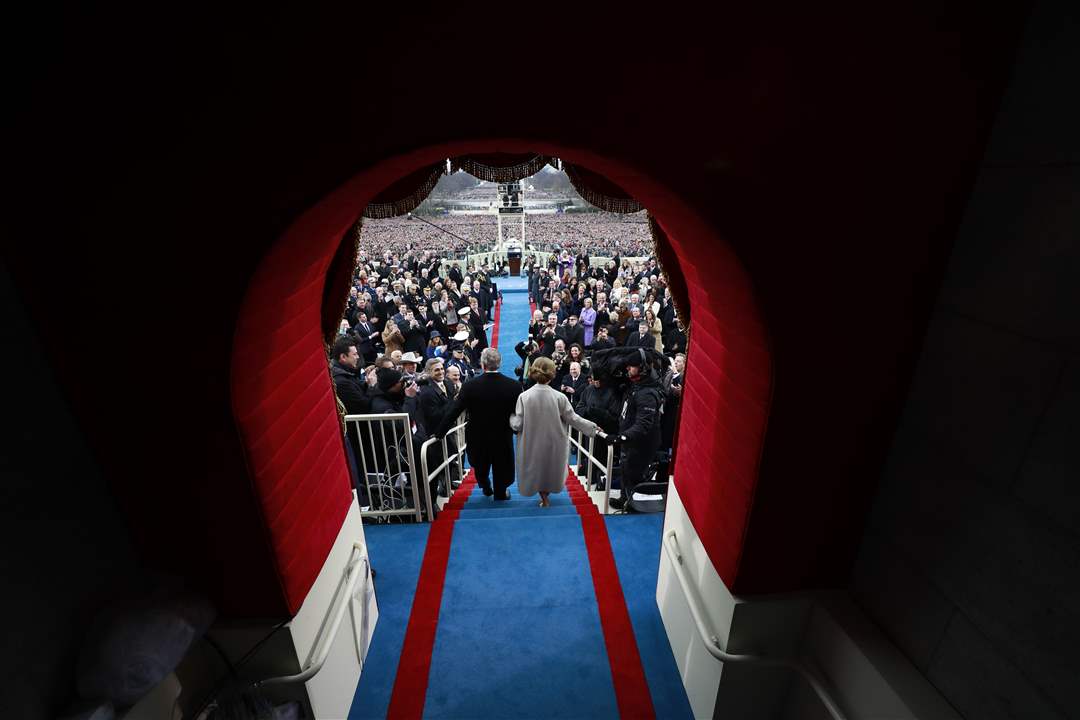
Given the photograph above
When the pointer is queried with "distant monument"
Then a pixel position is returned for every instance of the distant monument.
(511, 204)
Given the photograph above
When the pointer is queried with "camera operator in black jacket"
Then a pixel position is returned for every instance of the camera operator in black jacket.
(640, 424)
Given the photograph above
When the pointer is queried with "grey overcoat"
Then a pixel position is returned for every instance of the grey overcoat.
(542, 417)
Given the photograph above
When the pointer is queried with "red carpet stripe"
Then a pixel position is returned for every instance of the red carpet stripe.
(495, 329)
(627, 673)
(410, 684)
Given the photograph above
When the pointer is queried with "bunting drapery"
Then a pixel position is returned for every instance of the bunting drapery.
(599, 191)
(500, 167)
(338, 280)
(406, 194)
(666, 258)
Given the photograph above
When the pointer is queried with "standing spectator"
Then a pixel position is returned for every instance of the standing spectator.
(392, 338)
(673, 387)
(414, 333)
(366, 334)
(573, 384)
(344, 369)
(573, 332)
(655, 329)
(588, 321)
(642, 338)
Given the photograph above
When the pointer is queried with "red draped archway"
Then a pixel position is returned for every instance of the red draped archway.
(285, 408)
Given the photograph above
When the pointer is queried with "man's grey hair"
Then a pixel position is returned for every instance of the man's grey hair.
(490, 359)
(432, 362)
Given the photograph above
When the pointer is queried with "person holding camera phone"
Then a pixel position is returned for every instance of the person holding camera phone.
(673, 388)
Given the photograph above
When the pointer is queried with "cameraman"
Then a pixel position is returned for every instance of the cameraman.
(639, 425)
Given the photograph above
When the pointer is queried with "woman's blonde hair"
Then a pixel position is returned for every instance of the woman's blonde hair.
(542, 370)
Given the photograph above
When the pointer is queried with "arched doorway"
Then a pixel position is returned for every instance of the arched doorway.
(286, 413)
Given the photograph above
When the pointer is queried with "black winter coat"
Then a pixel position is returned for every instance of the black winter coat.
(639, 420)
(352, 390)
(434, 404)
(601, 405)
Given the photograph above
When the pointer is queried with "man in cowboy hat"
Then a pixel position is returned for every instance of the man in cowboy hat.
(409, 361)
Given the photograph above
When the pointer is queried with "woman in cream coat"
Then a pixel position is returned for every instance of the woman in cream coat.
(541, 419)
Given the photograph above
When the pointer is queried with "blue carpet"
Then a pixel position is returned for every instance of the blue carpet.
(635, 541)
(396, 552)
(519, 633)
(513, 327)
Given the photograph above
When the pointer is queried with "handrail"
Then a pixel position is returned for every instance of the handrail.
(608, 468)
(429, 475)
(711, 638)
(369, 461)
(320, 651)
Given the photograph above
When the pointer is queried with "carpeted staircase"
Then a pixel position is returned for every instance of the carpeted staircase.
(518, 611)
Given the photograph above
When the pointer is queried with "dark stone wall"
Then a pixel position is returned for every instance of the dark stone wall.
(971, 563)
(65, 545)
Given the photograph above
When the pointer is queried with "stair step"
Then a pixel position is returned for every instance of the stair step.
(546, 518)
(518, 512)
(503, 504)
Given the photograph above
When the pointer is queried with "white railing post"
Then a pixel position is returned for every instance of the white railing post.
(382, 471)
(609, 468)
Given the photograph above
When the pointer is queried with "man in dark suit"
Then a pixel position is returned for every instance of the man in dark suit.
(573, 332)
(366, 334)
(642, 338)
(490, 399)
(436, 397)
(573, 384)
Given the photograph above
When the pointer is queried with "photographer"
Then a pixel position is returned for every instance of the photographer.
(573, 332)
(640, 423)
(528, 350)
(673, 388)
(409, 361)
(392, 394)
(602, 341)
(549, 335)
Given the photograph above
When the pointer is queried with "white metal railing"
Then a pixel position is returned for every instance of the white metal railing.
(592, 461)
(388, 468)
(449, 459)
(355, 570)
(711, 638)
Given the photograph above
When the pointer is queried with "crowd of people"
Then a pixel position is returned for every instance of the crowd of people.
(601, 233)
(618, 351)
(605, 337)
(450, 236)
